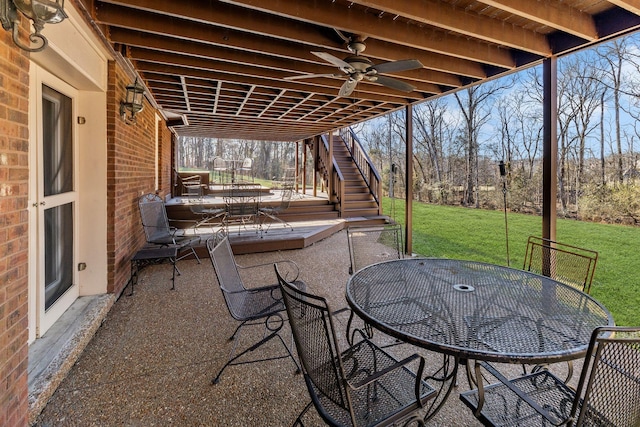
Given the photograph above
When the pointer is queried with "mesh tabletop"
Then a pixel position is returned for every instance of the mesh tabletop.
(475, 310)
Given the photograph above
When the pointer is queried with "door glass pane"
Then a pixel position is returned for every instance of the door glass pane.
(57, 142)
(58, 254)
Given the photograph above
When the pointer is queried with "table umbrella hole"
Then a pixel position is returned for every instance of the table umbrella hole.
(464, 288)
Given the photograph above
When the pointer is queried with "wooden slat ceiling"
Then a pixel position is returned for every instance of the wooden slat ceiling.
(222, 64)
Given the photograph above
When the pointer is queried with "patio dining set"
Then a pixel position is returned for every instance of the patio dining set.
(473, 315)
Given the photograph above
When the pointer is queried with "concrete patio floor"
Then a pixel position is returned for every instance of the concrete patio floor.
(152, 360)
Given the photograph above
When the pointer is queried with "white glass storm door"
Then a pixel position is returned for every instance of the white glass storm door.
(56, 279)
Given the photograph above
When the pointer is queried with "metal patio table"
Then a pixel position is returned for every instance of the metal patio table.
(467, 310)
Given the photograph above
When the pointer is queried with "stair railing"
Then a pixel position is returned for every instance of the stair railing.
(363, 162)
(334, 180)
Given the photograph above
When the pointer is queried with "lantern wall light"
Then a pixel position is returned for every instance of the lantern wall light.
(39, 11)
(133, 102)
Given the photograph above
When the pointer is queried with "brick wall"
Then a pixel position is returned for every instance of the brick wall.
(131, 169)
(130, 173)
(14, 180)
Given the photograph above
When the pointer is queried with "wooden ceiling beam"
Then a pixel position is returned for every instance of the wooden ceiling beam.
(632, 6)
(266, 73)
(450, 18)
(173, 70)
(554, 14)
(307, 39)
(252, 59)
(333, 14)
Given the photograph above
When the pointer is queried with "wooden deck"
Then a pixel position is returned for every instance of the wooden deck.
(312, 218)
(279, 238)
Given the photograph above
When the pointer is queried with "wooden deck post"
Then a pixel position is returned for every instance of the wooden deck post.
(550, 150)
(408, 211)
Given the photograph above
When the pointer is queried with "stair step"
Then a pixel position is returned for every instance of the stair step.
(364, 204)
(348, 213)
(361, 196)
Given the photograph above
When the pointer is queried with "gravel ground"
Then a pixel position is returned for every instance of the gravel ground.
(152, 360)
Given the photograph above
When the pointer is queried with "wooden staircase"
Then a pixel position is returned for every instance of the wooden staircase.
(353, 201)
(357, 200)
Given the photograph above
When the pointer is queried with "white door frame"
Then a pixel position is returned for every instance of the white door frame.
(39, 319)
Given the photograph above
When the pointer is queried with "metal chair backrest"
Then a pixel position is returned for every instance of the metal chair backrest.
(219, 164)
(241, 199)
(315, 338)
(247, 162)
(565, 263)
(224, 265)
(285, 202)
(372, 244)
(609, 388)
(154, 219)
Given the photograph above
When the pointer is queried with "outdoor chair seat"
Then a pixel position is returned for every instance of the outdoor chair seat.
(274, 213)
(370, 244)
(250, 306)
(359, 386)
(158, 231)
(608, 392)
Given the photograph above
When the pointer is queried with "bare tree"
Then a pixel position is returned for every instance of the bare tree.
(475, 105)
(613, 56)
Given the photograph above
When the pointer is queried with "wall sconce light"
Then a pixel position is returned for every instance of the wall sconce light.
(132, 103)
(39, 11)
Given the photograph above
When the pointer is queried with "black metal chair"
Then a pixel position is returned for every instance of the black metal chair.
(360, 386)
(207, 216)
(572, 265)
(608, 392)
(370, 244)
(568, 264)
(250, 306)
(157, 230)
(242, 201)
(274, 213)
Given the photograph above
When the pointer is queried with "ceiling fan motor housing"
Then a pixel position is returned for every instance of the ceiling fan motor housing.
(359, 63)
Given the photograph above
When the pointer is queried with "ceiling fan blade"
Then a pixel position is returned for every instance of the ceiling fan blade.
(392, 83)
(347, 87)
(312, 76)
(335, 61)
(395, 66)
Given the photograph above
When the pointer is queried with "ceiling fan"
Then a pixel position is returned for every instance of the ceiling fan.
(357, 67)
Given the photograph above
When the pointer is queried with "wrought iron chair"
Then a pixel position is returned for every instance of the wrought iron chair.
(274, 213)
(368, 245)
(288, 179)
(568, 264)
(220, 166)
(242, 201)
(246, 168)
(360, 386)
(607, 393)
(158, 231)
(249, 306)
(208, 216)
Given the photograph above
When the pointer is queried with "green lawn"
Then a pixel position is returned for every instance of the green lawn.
(474, 234)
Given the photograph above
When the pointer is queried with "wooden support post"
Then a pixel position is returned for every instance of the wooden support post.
(408, 212)
(550, 148)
